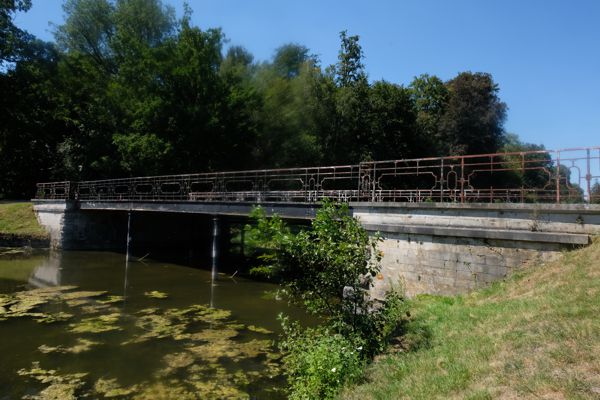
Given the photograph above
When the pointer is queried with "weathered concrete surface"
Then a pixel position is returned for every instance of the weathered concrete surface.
(453, 248)
(557, 218)
(430, 247)
(69, 228)
(243, 209)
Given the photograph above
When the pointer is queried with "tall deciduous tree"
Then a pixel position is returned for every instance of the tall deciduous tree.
(29, 129)
(12, 39)
(347, 140)
(473, 122)
(430, 96)
(392, 123)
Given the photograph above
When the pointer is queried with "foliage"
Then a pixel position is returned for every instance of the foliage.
(12, 39)
(595, 193)
(528, 336)
(141, 154)
(127, 88)
(328, 269)
(319, 362)
(473, 120)
(430, 97)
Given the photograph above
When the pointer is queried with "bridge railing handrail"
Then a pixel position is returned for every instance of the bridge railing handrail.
(567, 175)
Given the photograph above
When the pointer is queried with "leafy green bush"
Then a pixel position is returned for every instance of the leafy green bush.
(328, 270)
(319, 362)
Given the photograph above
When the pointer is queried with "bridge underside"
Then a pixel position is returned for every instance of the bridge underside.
(239, 209)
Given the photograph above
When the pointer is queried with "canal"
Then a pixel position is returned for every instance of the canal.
(88, 325)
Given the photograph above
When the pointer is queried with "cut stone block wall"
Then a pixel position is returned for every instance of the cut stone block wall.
(450, 265)
(454, 248)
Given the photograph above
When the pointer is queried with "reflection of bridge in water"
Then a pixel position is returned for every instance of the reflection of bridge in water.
(48, 273)
(533, 176)
(450, 224)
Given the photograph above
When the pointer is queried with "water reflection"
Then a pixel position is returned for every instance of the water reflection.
(48, 273)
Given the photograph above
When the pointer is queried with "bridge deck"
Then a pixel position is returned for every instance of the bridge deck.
(545, 223)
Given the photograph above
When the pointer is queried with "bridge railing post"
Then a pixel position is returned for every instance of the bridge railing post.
(558, 177)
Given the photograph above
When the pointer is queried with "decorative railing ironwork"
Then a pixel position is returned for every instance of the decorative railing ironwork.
(56, 190)
(561, 176)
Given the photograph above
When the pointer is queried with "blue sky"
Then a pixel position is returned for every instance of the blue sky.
(545, 55)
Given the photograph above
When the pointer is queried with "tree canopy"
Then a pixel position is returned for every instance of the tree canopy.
(129, 88)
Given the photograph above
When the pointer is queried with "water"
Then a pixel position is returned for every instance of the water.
(159, 339)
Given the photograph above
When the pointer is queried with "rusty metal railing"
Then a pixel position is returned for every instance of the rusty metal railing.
(562, 176)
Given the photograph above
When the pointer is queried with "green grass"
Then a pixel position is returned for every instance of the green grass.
(19, 219)
(534, 336)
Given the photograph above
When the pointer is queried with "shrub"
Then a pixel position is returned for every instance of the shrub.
(319, 362)
(328, 270)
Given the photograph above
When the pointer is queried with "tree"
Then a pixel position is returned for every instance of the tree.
(29, 127)
(287, 135)
(347, 138)
(350, 69)
(163, 102)
(473, 122)
(392, 123)
(430, 96)
(289, 59)
(532, 167)
(13, 40)
(89, 29)
(595, 193)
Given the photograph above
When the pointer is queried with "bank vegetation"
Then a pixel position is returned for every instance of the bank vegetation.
(19, 226)
(534, 336)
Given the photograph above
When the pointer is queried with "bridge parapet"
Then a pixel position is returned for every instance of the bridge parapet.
(562, 176)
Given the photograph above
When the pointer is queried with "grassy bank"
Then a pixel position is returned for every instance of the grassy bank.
(18, 219)
(535, 336)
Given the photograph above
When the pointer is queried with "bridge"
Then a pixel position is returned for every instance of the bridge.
(450, 223)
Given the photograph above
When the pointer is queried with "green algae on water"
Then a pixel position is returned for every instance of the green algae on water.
(84, 294)
(109, 388)
(24, 304)
(52, 318)
(217, 390)
(174, 323)
(170, 390)
(63, 387)
(211, 335)
(102, 323)
(112, 300)
(155, 294)
(206, 365)
(81, 346)
(259, 329)
(226, 348)
(174, 362)
(156, 326)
